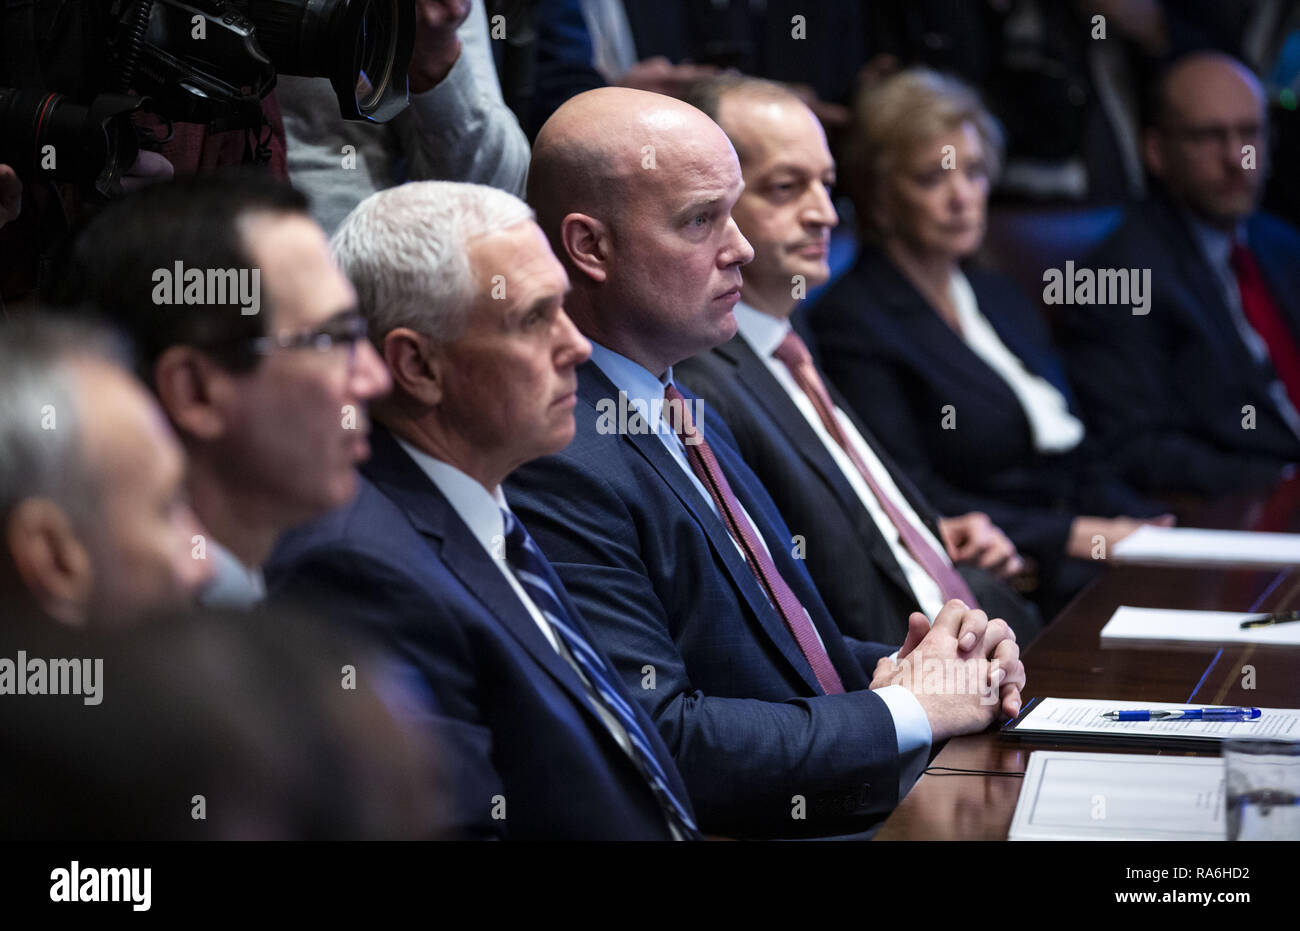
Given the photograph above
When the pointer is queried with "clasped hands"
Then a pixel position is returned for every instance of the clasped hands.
(963, 669)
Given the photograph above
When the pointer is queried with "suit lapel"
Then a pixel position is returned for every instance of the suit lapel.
(403, 482)
(927, 337)
(593, 387)
(767, 391)
(1207, 305)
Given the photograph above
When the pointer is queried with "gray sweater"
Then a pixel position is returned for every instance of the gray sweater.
(460, 130)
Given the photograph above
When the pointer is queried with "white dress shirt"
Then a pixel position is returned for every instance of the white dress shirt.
(764, 334)
(911, 726)
(1053, 427)
(233, 584)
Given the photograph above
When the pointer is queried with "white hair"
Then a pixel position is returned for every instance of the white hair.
(405, 250)
(40, 435)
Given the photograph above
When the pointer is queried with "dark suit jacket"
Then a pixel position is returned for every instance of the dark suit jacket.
(849, 558)
(901, 367)
(688, 625)
(513, 715)
(1165, 391)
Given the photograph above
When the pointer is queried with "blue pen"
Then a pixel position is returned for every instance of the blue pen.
(1186, 714)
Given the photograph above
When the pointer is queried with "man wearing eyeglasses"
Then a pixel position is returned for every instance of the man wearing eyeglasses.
(270, 405)
(1198, 388)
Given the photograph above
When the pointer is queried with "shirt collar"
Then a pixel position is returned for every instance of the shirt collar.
(1215, 244)
(763, 332)
(233, 583)
(632, 378)
(479, 508)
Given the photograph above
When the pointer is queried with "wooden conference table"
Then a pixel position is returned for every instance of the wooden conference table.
(1068, 661)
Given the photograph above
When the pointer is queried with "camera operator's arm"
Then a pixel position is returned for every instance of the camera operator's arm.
(11, 194)
(459, 128)
(148, 168)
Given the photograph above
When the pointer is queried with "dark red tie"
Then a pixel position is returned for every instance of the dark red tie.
(798, 360)
(1268, 320)
(787, 604)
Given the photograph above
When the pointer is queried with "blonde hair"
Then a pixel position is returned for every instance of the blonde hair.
(894, 117)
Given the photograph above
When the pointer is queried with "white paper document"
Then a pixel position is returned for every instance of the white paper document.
(1074, 717)
(1120, 796)
(1191, 546)
(1130, 625)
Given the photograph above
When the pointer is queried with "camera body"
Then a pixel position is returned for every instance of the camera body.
(210, 62)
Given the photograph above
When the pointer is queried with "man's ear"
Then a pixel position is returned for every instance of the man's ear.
(415, 365)
(192, 390)
(50, 560)
(586, 240)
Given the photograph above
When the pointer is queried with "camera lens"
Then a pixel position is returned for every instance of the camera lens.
(43, 134)
(362, 46)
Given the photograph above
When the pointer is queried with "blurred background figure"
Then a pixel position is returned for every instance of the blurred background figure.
(95, 525)
(1201, 394)
(553, 50)
(270, 405)
(951, 368)
(227, 726)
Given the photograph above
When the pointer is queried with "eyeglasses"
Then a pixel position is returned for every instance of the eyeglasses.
(345, 330)
(1205, 137)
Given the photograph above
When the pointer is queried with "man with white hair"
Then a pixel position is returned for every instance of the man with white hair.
(464, 300)
(95, 528)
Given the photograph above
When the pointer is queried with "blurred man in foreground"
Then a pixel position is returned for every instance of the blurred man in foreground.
(95, 525)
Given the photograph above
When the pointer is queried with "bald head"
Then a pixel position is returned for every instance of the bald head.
(1201, 81)
(635, 192)
(1208, 144)
(600, 148)
(739, 103)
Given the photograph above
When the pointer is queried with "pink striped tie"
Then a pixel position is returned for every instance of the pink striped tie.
(798, 360)
(760, 562)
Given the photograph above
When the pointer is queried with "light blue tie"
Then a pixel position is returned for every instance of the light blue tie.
(528, 563)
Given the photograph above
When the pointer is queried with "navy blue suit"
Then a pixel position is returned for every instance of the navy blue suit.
(1165, 391)
(513, 716)
(900, 366)
(677, 608)
(848, 557)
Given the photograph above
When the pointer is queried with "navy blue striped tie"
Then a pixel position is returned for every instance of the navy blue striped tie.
(528, 563)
